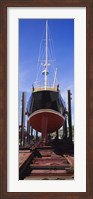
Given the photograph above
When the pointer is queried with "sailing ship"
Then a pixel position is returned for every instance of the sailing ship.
(46, 108)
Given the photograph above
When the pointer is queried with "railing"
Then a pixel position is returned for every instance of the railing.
(34, 89)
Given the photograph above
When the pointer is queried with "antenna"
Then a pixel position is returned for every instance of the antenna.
(55, 77)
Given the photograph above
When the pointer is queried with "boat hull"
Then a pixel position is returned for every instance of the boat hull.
(46, 120)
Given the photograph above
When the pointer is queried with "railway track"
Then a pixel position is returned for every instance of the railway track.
(44, 163)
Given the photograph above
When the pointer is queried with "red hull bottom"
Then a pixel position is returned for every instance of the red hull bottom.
(46, 120)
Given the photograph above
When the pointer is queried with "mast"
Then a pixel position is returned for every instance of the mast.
(45, 72)
(46, 43)
(46, 63)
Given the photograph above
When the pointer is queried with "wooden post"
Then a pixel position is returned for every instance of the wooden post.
(28, 132)
(57, 134)
(36, 135)
(23, 117)
(65, 129)
(69, 115)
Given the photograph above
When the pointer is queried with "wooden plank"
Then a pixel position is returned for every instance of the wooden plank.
(49, 167)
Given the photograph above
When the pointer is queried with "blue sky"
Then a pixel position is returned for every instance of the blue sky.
(31, 32)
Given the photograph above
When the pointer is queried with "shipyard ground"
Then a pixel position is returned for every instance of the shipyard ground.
(54, 162)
